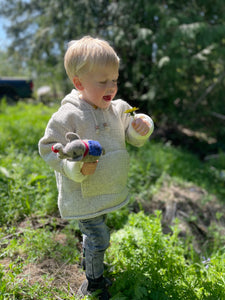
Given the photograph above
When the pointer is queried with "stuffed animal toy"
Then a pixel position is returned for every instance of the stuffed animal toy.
(78, 150)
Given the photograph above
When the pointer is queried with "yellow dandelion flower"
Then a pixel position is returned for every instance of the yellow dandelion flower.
(131, 111)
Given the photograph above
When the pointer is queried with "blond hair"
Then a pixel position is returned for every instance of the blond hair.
(84, 54)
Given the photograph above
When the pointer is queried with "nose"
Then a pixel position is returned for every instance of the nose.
(112, 86)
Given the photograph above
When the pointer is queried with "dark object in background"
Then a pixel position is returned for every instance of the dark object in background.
(15, 88)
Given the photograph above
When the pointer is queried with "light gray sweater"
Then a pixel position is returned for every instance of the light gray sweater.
(83, 197)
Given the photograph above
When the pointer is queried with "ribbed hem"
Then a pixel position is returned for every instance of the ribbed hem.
(99, 213)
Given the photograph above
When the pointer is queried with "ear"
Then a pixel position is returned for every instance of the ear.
(71, 136)
(57, 148)
(77, 83)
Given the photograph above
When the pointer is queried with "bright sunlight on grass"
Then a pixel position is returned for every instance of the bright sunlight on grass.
(143, 262)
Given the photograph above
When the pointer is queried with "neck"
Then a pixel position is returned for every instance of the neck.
(93, 105)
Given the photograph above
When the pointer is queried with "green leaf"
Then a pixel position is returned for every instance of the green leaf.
(5, 172)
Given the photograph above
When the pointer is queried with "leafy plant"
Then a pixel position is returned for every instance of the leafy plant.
(148, 264)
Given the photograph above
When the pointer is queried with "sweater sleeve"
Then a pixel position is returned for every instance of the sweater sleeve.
(72, 170)
(132, 137)
(135, 138)
(55, 133)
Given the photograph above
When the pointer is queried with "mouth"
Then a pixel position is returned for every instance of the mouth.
(107, 98)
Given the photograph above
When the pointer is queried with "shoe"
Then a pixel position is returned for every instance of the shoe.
(97, 287)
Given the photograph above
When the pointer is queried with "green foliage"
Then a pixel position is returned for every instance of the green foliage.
(21, 127)
(145, 263)
(172, 54)
(14, 286)
(29, 247)
(155, 161)
(34, 245)
(148, 264)
(26, 184)
(10, 65)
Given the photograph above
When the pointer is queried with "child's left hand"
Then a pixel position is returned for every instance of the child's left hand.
(141, 126)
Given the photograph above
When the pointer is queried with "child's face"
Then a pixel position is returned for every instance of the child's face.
(99, 86)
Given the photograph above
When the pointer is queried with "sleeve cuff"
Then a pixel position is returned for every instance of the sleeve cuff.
(134, 135)
(72, 170)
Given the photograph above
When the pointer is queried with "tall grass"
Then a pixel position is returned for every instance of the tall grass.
(26, 185)
(152, 162)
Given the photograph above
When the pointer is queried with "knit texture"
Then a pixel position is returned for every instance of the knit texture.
(79, 196)
(95, 148)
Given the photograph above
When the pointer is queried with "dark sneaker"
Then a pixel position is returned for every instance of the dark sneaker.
(96, 287)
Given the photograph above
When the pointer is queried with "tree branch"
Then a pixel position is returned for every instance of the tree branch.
(217, 115)
(209, 90)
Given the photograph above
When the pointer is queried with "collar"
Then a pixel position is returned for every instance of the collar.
(86, 148)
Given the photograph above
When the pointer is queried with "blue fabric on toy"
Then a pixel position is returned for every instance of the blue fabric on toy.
(95, 148)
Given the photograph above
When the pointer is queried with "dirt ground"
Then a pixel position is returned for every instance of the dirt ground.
(196, 211)
(63, 275)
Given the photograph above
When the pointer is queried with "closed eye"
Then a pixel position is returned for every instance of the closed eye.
(115, 81)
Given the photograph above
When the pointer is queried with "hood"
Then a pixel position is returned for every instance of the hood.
(72, 98)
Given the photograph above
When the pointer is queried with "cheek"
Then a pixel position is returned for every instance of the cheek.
(94, 91)
(100, 90)
(116, 89)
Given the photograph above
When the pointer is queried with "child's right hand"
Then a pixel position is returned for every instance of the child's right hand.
(89, 168)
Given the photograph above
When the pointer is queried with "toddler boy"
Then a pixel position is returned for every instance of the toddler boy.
(88, 191)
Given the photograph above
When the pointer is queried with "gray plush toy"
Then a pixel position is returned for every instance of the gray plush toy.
(78, 150)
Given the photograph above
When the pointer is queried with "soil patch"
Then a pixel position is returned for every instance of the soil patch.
(62, 274)
(198, 212)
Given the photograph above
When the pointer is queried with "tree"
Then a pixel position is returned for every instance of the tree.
(172, 52)
(40, 30)
(11, 66)
(174, 59)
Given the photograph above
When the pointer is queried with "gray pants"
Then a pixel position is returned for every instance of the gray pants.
(96, 238)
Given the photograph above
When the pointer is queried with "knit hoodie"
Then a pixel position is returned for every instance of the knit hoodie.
(83, 197)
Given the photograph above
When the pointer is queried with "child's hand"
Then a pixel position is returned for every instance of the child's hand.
(141, 126)
(89, 168)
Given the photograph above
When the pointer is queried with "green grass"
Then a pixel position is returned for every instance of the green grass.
(26, 185)
(145, 263)
(151, 163)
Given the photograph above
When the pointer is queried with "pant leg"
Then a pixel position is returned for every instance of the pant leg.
(96, 238)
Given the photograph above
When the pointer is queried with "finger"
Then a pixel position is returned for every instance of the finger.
(144, 131)
(141, 126)
(138, 125)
